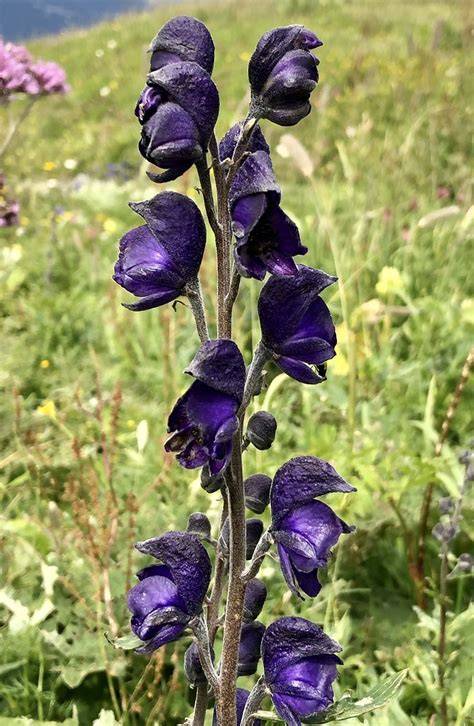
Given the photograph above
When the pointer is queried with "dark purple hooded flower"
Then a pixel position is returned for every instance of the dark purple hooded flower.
(182, 39)
(242, 696)
(300, 664)
(296, 324)
(168, 595)
(228, 142)
(158, 259)
(305, 530)
(283, 73)
(266, 238)
(178, 116)
(204, 420)
(251, 636)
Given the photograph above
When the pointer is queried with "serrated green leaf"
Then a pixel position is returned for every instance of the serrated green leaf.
(347, 708)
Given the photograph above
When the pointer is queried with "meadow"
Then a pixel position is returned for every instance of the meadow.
(382, 192)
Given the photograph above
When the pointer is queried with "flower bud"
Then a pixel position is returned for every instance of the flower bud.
(444, 532)
(253, 528)
(249, 651)
(192, 666)
(257, 492)
(210, 483)
(199, 524)
(255, 596)
(465, 562)
(446, 505)
(261, 430)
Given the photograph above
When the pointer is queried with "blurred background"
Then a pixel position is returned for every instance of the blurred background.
(378, 178)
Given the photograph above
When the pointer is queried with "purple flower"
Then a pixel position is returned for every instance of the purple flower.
(283, 73)
(242, 695)
(204, 420)
(296, 324)
(50, 77)
(251, 636)
(182, 39)
(267, 239)
(159, 258)
(9, 212)
(169, 595)
(178, 117)
(15, 76)
(300, 667)
(228, 142)
(304, 529)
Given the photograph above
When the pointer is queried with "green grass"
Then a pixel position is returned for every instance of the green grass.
(389, 141)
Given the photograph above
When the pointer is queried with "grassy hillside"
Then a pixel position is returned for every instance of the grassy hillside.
(86, 385)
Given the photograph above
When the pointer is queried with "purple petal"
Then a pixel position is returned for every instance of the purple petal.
(271, 47)
(178, 226)
(255, 596)
(152, 570)
(308, 582)
(218, 464)
(167, 634)
(191, 87)
(147, 104)
(310, 681)
(246, 212)
(219, 364)
(254, 176)
(257, 492)
(226, 431)
(293, 295)
(152, 593)
(183, 38)
(249, 265)
(188, 562)
(296, 580)
(283, 709)
(298, 370)
(289, 640)
(170, 174)
(315, 323)
(170, 137)
(193, 456)
(229, 141)
(153, 301)
(300, 480)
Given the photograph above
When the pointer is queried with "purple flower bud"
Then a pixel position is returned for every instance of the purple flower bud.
(251, 636)
(444, 532)
(182, 39)
(464, 562)
(261, 430)
(228, 142)
(178, 119)
(210, 483)
(255, 596)
(242, 696)
(300, 667)
(158, 259)
(168, 595)
(305, 530)
(297, 325)
(199, 524)
(257, 492)
(267, 239)
(204, 420)
(283, 73)
(253, 529)
(446, 505)
(192, 666)
(9, 212)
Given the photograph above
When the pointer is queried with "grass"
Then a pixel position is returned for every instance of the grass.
(80, 374)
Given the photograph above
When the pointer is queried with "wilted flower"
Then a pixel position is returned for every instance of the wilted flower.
(158, 259)
(242, 695)
(296, 324)
(183, 38)
(261, 429)
(305, 529)
(283, 73)
(204, 420)
(178, 116)
(267, 239)
(251, 636)
(300, 667)
(255, 596)
(257, 492)
(169, 595)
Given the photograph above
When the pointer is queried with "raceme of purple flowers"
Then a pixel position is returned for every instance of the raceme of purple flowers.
(21, 74)
(159, 261)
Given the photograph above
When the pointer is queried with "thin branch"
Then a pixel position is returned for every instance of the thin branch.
(194, 295)
(15, 126)
(261, 550)
(199, 627)
(256, 696)
(261, 356)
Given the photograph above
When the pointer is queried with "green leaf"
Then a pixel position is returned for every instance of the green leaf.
(125, 642)
(377, 697)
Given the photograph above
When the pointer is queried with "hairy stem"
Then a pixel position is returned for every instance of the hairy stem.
(261, 356)
(258, 556)
(199, 627)
(200, 705)
(257, 694)
(194, 295)
(226, 700)
(12, 131)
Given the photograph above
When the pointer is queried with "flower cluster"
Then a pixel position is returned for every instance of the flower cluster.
(20, 73)
(160, 261)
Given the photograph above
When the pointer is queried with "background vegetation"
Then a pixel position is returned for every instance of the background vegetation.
(86, 385)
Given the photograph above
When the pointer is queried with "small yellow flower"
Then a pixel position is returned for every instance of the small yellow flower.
(49, 165)
(47, 409)
(245, 56)
(109, 225)
(100, 216)
(44, 363)
(131, 423)
(24, 221)
(113, 85)
(390, 282)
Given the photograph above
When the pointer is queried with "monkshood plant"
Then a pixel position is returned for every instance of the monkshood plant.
(158, 262)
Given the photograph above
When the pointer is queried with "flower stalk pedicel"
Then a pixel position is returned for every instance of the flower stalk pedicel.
(158, 262)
